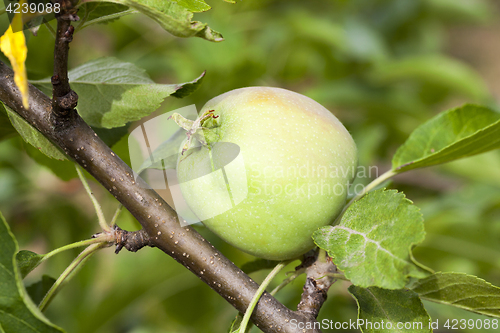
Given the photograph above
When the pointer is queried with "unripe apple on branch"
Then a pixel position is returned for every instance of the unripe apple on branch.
(264, 168)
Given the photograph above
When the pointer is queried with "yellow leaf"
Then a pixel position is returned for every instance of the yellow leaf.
(13, 45)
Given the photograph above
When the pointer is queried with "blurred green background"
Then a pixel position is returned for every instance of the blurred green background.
(382, 66)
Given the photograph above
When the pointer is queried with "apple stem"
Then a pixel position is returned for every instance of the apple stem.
(259, 293)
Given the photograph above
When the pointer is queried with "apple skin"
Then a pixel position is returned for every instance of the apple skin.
(297, 162)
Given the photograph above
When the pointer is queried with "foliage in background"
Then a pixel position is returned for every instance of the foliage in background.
(381, 65)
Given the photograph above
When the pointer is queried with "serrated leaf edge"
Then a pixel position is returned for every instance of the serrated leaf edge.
(401, 168)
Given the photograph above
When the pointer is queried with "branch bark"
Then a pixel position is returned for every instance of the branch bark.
(133, 241)
(74, 137)
(317, 284)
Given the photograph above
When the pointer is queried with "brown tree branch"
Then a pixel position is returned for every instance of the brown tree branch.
(63, 98)
(73, 136)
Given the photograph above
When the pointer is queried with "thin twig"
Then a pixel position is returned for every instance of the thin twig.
(256, 297)
(100, 215)
(68, 273)
(320, 276)
(102, 239)
(159, 220)
(64, 99)
(288, 280)
(115, 216)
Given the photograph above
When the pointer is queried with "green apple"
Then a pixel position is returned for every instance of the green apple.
(264, 167)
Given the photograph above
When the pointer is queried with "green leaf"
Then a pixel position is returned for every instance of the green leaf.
(18, 314)
(465, 131)
(100, 12)
(189, 87)
(6, 129)
(38, 289)
(27, 261)
(460, 290)
(435, 69)
(113, 93)
(391, 310)
(257, 265)
(372, 244)
(33, 137)
(173, 17)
